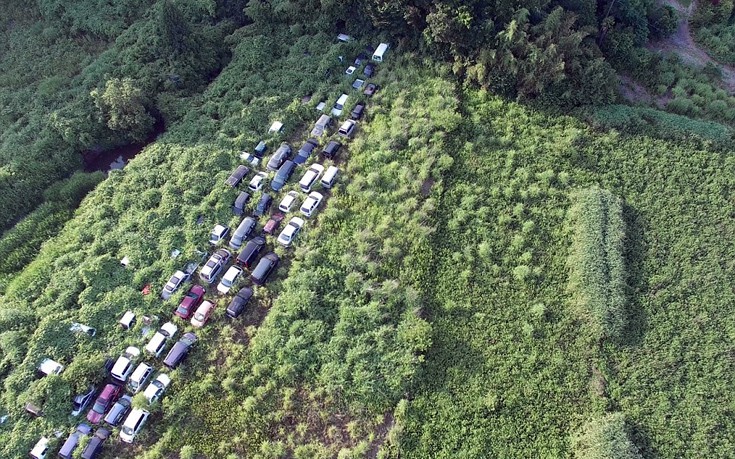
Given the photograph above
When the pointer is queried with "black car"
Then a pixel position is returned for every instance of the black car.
(281, 155)
(236, 177)
(369, 70)
(266, 265)
(284, 173)
(305, 151)
(240, 202)
(260, 149)
(330, 151)
(180, 350)
(357, 111)
(263, 205)
(237, 305)
(94, 446)
(250, 253)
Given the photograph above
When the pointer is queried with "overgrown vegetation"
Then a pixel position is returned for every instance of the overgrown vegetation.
(605, 438)
(714, 28)
(19, 245)
(597, 274)
(424, 311)
(512, 371)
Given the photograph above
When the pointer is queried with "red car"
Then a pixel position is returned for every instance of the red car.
(273, 223)
(108, 396)
(190, 302)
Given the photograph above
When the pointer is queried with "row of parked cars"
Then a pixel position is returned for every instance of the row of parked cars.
(112, 406)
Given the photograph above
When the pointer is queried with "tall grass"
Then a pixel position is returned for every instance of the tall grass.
(596, 263)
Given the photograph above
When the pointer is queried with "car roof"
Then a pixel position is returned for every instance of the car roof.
(109, 388)
(233, 269)
(207, 305)
(142, 368)
(120, 365)
(170, 328)
(189, 336)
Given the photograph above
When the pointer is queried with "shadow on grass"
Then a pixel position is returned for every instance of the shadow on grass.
(634, 252)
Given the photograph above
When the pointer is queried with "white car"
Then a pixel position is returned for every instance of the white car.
(155, 389)
(350, 70)
(311, 203)
(156, 345)
(133, 423)
(124, 364)
(290, 231)
(173, 284)
(256, 183)
(202, 314)
(310, 177)
(39, 451)
(228, 280)
(288, 201)
(219, 232)
(250, 158)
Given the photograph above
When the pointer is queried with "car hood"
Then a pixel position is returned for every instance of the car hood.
(94, 417)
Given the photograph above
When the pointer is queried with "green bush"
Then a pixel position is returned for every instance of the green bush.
(597, 274)
(605, 438)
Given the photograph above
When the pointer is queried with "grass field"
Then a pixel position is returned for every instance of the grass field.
(425, 311)
(514, 370)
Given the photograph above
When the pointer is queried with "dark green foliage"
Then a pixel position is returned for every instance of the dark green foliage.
(637, 120)
(19, 245)
(597, 274)
(713, 28)
(662, 21)
(605, 438)
(172, 29)
(122, 107)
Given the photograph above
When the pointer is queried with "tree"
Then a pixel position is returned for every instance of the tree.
(123, 107)
(173, 30)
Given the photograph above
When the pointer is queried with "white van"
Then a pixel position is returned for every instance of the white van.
(124, 364)
(133, 423)
(39, 451)
(139, 377)
(310, 177)
(339, 105)
(379, 52)
(330, 176)
(158, 342)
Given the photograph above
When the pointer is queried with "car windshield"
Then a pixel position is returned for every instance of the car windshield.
(199, 316)
(127, 430)
(226, 282)
(99, 406)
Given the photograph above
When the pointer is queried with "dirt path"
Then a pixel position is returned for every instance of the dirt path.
(682, 44)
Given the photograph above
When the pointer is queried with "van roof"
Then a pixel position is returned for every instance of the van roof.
(138, 373)
(331, 172)
(342, 99)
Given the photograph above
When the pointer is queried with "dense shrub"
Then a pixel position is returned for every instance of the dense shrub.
(605, 438)
(597, 275)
